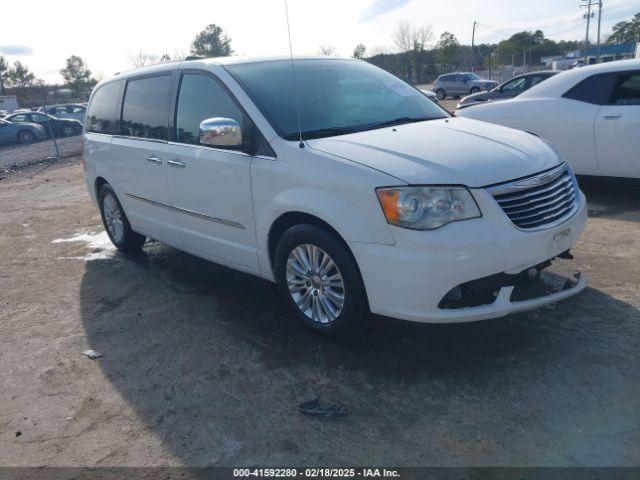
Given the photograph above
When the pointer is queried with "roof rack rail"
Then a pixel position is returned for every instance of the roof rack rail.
(195, 57)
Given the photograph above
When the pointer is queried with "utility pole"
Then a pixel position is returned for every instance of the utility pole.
(599, 21)
(588, 16)
(473, 38)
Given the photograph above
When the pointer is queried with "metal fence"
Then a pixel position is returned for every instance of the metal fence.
(14, 155)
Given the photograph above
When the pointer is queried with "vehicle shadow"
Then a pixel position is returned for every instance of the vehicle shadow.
(612, 197)
(212, 365)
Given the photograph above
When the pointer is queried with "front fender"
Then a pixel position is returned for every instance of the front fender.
(354, 221)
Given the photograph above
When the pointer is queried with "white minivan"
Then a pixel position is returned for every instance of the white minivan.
(341, 183)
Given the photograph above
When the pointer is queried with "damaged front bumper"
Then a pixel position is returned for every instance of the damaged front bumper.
(503, 294)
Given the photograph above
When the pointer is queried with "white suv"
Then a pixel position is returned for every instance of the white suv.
(346, 186)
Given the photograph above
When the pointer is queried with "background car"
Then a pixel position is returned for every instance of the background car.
(24, 133)
(3, 113)
(61, 127)
(460, 83)
(591, 115)
(74, 111)
(509, 89)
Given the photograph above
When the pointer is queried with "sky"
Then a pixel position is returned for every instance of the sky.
(107, 33)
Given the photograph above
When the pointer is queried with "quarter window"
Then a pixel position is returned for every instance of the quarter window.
(595, 89)
(145, 113)
(202, 97)
(104, 110)
(627, 89)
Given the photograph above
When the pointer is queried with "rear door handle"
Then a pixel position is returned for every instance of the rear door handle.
(176, 163)
(154, 159)
(612, 116)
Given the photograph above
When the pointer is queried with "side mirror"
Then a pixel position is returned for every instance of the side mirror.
(220, 132)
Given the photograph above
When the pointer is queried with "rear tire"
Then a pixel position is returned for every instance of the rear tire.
(116, 223)
(441, 94)
(319, 280)
(26, 137)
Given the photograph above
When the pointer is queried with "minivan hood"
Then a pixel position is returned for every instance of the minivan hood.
(456, 151)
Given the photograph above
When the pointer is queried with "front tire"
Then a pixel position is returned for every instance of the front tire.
(116, 223)
(319, 280)
(26, 137)
(474, 90)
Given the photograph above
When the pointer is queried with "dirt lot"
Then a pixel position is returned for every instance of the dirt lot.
(201, 367)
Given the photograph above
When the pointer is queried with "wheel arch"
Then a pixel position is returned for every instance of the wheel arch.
(97, 185)
(293, 218)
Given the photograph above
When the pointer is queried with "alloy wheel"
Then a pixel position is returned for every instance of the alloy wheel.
(315, 283)
(113, 217)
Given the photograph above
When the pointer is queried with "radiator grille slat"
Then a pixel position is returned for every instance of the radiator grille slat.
(535, 206)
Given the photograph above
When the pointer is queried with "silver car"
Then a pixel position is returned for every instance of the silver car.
(509, 89)
(24, 133)
(458, 84)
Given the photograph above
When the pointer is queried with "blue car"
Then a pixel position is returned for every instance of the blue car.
(24, 133)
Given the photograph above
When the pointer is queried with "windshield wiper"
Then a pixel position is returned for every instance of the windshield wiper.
(320, 132)
(398, 121)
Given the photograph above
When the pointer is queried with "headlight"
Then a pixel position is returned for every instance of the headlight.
(426, 208)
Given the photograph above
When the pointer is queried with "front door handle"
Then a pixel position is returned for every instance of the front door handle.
(154, 159)
(612, 116)
(176, 163)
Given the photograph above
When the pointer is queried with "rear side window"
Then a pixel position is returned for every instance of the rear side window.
(446, 78)
(202, 97)
(627, 89)
(104, 111)
(145, 112)
(595, 89)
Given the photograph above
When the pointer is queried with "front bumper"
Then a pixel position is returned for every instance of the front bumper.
(410, 279)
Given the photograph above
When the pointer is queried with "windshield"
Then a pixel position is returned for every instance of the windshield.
(472, 76)
(335, 96)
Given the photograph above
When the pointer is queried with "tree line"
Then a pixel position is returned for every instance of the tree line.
(414, 56)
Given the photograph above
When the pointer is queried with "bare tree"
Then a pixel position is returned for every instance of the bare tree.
(411, 43)
(140, 59)
(407, 38)
(402, 37)
(379, 50)
(328, 51)
(180, 54)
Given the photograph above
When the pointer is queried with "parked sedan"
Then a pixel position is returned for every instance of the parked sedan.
(74, 111)
(509, 89)
(591, 115)
(460, 83)
(61, 127)
(24, 133)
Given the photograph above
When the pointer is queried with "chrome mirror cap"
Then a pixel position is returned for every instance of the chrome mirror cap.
(220, 132)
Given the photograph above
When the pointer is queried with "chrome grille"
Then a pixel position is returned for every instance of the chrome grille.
(540, 200)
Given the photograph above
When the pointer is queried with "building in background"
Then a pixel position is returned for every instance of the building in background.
(608, 53)
(8, 103)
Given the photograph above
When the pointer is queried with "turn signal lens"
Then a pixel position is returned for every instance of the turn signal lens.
(427, 208)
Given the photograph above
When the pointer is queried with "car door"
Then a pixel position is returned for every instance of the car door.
(139, 157)
(617, 128)
(513, 87)
(48, 123)
(459, 85)
(211, 187)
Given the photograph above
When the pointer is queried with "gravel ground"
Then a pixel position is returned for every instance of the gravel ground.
(201, 367)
